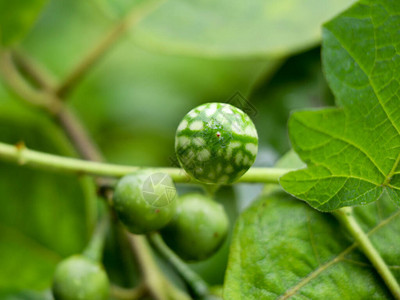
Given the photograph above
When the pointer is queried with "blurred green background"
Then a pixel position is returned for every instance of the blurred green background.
(183, 54)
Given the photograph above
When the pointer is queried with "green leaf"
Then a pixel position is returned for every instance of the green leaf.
(34, 262)
(115, 9)
(254, 28)
(353, 152)
(299, 83)
(283, 248)
(42, 215)
(130, 83)
(16, 18)
(25, 295)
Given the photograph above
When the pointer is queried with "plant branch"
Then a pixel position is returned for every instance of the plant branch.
(156, 282)
(19, 85)
(198, 286)
(104, 45)
(67, 119)
(82, 142)
(41, 77)
(346, 217)
(78, 135)
(21, 155)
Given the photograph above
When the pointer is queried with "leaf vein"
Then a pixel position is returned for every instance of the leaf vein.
(293, 290)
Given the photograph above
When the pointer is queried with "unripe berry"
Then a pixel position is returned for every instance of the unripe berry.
(216, 143)
(198, 229)
(145, 201)
(79, 278)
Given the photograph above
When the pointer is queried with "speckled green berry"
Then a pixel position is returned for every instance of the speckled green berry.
(216, 143)
(198, 229)
(145, 201)
(79, 278)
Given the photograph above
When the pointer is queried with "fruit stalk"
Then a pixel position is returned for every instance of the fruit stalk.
(198, 286)
(346, 217)
(94, 249)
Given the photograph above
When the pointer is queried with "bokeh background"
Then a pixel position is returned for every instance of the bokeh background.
(183, 54)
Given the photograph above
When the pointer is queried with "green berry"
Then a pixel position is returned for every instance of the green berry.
(145, 201)
(79, 278)
(216, 143)
(198, 229)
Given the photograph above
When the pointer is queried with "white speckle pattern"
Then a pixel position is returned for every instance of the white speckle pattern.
(222, 119)
(234, 145)
(249, 130)
(203, 155)
(183, 125)
(193, 114)
(229, 169)
(210, 111)
(238, 158)
(183, 141)
(228, 153)
(216, 143)
(196, 125)
(252, 148)
(223, 179)
(227, 110)
(199, 142)
(189, 156)
(236, 129)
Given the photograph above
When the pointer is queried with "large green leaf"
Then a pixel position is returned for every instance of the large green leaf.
(25, 295)
(42, 215)
(235, 27)
(299, 83)
(133, 100)
(282, 248)
(16, 18)
(353, 152)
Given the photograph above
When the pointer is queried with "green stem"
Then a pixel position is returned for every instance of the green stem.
(128, 294)
(19, 85)
(346, 217)
(38, 75)
(211, 189)
(195, 282)
(94, 249)
(90, 196)
(82, 142)
(157, 283)
(23, 156)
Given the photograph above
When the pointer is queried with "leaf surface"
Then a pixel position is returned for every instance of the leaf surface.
(282, 248)
(353, 152)
(42, 215)
(16, 18)
(235, 28)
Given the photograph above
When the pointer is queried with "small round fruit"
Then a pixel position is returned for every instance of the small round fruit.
(79, 278)
(198, 229)
(216, 143)
(145, 201)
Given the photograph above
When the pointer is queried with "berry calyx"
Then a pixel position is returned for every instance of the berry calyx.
(145, 201)
(198, 229)
(216, 143)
